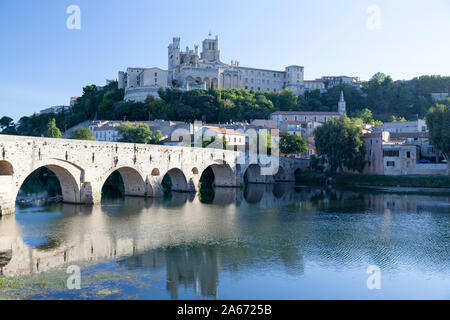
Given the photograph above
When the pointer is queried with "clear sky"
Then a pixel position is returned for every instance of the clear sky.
(43, 63)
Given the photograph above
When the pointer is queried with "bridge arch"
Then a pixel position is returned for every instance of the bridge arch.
(6, 168)
(282, 175)
(133, 181)
(68, 175)
(253, 174)
(178, 180)
(223, 175)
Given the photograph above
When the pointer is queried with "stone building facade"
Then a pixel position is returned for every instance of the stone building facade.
(192, 69)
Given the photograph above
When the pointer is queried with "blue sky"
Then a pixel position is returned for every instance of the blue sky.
(42, 63)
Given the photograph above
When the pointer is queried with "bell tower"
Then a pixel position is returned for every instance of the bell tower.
(341, 105)
(210, 49)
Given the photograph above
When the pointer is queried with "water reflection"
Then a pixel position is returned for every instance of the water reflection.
(196, 240)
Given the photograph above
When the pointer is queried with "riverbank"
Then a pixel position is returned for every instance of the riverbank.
(376, 180)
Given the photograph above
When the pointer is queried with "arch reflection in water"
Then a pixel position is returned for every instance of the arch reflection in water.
(194, 244)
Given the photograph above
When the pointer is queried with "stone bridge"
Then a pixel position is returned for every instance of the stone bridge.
(82, 167)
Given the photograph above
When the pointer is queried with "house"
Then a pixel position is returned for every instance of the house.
(388, 155)
(403, 127)
(234, 139)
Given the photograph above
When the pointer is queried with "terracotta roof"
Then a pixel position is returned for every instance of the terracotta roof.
(225, 130)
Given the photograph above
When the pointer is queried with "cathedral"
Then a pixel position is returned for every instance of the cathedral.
(192, 69)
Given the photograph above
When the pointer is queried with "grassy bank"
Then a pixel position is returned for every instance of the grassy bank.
(378, 180)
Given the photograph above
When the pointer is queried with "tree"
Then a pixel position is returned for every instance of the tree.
(52, 131)
(340, 142)
(140, 133)
(438, 122)
(7, 125)
(292, 143)
(365, 115)
(393, 119)
(156, 137)
(83, 134)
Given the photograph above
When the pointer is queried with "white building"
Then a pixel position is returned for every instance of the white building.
(234, 139)
(403, 127)
(192, 69)
(308, 116)
(107, 133)
(332, 81)
(317, 84)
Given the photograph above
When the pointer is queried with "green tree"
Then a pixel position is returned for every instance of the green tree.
(83, 134)
(438, 122)
(7, 125)
(52, 131)
(339, 142)
(140, 133)
(365, 115)
(292, 143)
(157, 137)
(393, 119)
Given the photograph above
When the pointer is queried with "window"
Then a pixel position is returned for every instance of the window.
(408, 154)
(390, 164)
(156, 74)
(390, 153)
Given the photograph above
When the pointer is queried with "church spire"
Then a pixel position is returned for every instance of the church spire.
(341, 104)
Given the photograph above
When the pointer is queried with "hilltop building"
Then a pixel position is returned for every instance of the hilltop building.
(192, 69)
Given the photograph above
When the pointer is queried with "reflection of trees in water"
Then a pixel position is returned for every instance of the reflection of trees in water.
(185, 266)
(340, 201)
(199, 266)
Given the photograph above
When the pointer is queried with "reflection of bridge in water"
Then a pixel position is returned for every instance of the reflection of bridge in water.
(193, 241)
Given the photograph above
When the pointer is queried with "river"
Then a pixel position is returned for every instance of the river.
(264, 242)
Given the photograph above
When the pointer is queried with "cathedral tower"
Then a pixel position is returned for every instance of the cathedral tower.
(210, 49)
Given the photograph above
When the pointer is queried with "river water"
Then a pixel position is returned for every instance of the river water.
(265, 242)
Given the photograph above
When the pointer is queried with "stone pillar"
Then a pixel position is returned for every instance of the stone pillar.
(7, 203)
(154, 185)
